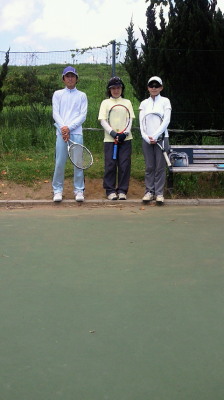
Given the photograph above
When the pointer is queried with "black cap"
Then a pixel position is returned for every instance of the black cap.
(115, 81)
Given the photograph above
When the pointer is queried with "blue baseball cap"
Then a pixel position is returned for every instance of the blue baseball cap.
(69, 70)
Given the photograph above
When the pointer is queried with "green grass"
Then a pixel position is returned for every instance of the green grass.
(34, 166)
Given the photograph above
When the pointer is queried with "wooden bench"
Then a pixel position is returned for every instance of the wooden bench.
(202, 158)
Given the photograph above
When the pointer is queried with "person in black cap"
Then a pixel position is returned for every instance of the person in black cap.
(69, 113)
(155, 171)
(122, 165)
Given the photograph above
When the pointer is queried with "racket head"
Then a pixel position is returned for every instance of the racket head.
(119, 118)
(79, 155)
(151, 123)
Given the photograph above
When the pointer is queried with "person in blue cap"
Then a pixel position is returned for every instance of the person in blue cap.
(69, 113)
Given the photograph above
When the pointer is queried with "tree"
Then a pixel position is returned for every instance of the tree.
(25, 87)
(3, 75)
(141, 65)
(133, 63)
(187, 52)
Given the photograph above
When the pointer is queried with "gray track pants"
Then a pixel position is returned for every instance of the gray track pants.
(155, 167)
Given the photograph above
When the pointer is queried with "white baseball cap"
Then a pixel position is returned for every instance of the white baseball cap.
(157, 79)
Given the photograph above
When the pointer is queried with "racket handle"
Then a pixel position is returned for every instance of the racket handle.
(167, 159)
(115, 151)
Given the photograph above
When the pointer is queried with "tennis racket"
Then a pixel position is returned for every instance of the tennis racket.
(78, 154)
(151, 123)
(118, 118)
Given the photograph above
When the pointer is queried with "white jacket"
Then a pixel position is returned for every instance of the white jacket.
(70, 109)
(161, 106)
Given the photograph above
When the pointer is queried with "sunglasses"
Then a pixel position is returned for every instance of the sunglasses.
(154, 85)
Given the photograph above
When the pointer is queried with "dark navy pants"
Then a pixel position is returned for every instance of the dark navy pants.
(117, 172)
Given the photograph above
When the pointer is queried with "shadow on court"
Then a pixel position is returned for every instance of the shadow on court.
(112, 303)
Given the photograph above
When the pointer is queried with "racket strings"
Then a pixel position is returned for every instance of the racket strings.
(151, 123)
(80, 156)
(119, 118)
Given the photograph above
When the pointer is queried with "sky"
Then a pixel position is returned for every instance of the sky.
(51, 25)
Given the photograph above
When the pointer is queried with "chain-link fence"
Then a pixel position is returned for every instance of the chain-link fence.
(94, 55)
(112, 55)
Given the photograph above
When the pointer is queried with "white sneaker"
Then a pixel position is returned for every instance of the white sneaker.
(160, 199)
(79, 197)
(148, 197)
(112, 196)
(57, 197)
(122, 196)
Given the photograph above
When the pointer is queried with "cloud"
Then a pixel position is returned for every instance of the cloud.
(44, 25)
(16, 13)
(94, 4)
(220, 5)
(84, 22)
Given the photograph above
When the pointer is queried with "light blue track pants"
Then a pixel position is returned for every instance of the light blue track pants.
(61, 157)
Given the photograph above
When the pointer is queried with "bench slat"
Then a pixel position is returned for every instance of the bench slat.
(195, 147)
(208, 162)
(197, 168)
(203, 151)
(207, 157)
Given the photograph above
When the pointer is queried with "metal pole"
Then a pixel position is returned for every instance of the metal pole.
(113, 57)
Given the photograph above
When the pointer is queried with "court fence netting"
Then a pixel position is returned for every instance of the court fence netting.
(112, 55)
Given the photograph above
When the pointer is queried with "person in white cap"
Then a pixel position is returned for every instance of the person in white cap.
(69, 113)
(155, 164)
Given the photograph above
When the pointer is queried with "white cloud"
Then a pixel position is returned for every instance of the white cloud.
(44, 25)
(220, 4)
(16, 13)
(87, 23)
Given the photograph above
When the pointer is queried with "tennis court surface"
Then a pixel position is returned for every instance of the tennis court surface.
(112, 303)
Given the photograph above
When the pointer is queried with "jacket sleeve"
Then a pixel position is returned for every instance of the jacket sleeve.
(80, 119)
(56, 107)
(141, 117)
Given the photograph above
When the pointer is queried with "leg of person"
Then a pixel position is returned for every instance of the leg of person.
(79, 182)
(61, 156)
(110, 171)
(149, 156)
(124, 168)
(160, 175)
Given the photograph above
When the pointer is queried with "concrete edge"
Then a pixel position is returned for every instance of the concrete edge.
(105, 202)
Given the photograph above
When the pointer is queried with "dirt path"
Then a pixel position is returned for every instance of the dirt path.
(43, 190)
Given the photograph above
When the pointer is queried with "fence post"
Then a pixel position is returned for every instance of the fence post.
(113, 57)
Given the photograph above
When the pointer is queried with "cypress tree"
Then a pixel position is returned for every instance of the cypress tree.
(3, 75)
(188, 53)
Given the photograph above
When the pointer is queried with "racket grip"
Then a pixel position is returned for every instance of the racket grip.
(167, 159)
(115, 151)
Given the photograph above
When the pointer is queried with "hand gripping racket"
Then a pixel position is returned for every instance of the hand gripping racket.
(118, 118)
(151, 122)
(78, 154)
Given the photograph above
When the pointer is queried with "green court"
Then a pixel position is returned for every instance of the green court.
(112, 303)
